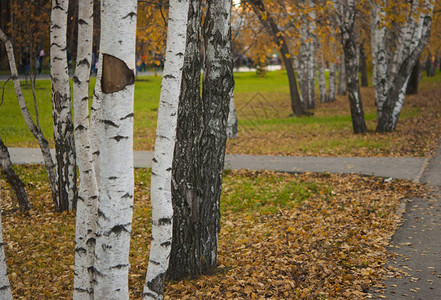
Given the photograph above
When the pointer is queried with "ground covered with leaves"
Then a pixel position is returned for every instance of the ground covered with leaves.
(283, 236)
(266, 128)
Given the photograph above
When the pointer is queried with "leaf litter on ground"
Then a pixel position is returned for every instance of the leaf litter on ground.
(283, 236)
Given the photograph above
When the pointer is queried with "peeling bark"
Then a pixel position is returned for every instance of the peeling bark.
(116, 178)
(14, 181)
(161, 186)
(66, 188)
(86, 216)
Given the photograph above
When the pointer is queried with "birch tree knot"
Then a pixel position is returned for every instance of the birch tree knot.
(116, 75)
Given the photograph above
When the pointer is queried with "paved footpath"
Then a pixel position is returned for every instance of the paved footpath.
(417, 242)
(395, 167)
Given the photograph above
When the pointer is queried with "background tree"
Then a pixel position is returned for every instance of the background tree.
(34, 127)
(346, 12)
(413, 36)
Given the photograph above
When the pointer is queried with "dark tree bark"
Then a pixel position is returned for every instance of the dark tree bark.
(414, 80)
(217, 90)
(363, 68)
(272, 28)
(14, 181)
(187, 197)
(346, 21)
(200, 142)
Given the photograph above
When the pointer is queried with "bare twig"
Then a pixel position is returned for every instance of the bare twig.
(3, 89)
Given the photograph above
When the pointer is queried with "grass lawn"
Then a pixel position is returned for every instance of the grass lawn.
(265, 124)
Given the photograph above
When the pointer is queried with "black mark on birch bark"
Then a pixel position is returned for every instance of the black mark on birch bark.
(116, 75)
(57, 101)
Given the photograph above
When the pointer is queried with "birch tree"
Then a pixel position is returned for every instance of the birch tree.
(307, 54)
(232, 120)
(85, 228)
(14, 181)
(115, 127)
(34, 127)
(161, 184)
(345, 15)
(66, 189)
(412, 39)
(332, 88)
(321, 78)
(5, 287)
(273, 30)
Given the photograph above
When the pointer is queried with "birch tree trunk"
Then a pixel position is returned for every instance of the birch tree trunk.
(363, 67)
(413, 37)
(342, 77)
(217, 90)
(35, 130)
(232, 120)
(116, 180)
(322, 79)
(85, 229)
(380, 61)
(346, 21)
(332, 83)
(5, 287)
(307, 54)
(271, 27)
(186, 251)
(66, 188)
(14, 181)
(161, 186)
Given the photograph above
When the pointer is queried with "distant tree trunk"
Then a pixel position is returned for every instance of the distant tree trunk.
(217, 90)
(14, 181)
(232, 120)
(322, 79)
(85, 229)
(61, 109)
(380, 58)
(363, 67)
(186, 250)
(5, 287)
(346, 20)
(271, 27)
(332, 83)
(341, 77)
(307, 57)
(115, 128)
(414, 80)
(413, 38)
(35, 129)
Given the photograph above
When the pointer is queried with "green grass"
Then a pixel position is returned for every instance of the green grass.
(263, 109)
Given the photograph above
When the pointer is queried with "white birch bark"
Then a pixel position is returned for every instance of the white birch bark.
(35, 130)
(86, 216)
(61, 108)
(232, 120)
(307, 56)
(5, 288)
(379, 57)
(413, 37)
(322, 79)
(161, 182)
(116, 180)
(332, 88)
